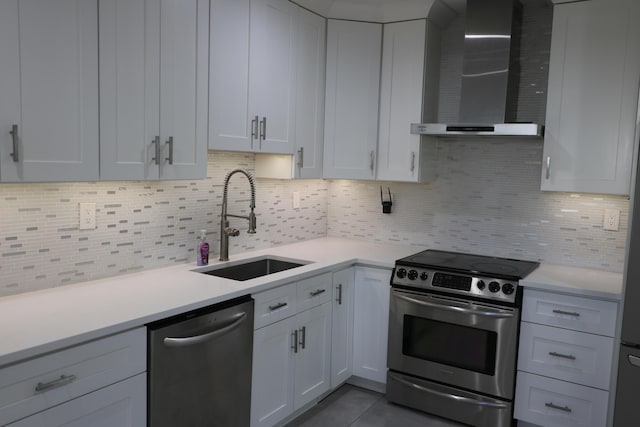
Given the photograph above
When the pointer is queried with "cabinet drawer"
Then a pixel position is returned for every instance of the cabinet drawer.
(567, 355)
(554, 403)
(37, 384)
(274, 304)
(314, 291)
(570, 312)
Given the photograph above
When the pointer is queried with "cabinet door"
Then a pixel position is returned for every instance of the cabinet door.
(49, 90)
(311, 53)
(272, 375)
(184, 59)
(129, 89)
(123, 404)
(342, 327)
(272, 73)
(313, 361)
(371, 323)
(352, 96)
(592, 97)
(403, 59)
(229, 127)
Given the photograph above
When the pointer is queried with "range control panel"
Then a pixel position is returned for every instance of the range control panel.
(455, 283)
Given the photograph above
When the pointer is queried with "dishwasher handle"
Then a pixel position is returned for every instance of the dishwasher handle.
(235, 321)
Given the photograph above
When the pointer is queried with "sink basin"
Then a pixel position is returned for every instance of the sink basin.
(250, 269)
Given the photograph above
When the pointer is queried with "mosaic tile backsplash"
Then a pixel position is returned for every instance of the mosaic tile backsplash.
(142, 225)
(486, 199)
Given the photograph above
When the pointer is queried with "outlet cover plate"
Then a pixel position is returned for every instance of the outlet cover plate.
(87, 216)
(611, 219)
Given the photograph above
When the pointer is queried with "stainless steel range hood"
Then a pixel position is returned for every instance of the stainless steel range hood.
(490, 75)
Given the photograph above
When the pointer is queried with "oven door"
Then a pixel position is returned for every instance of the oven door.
(454, 341)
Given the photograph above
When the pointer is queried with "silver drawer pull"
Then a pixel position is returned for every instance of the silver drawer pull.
(339, 299)
(567, 313)
(14, 138)
(294, 336)
(318, 292)
(63, 380)
(170, 144)
(277, 306)
(303, 337)
(560, 408)
(156, 143)
(563, 356)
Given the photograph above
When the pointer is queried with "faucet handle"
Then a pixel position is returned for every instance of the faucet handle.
(229, 231)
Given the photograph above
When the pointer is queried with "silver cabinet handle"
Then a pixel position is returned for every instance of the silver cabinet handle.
(339, 299)
(460, 399)
(277, 306)
(263, 128)
(63, 380)
(303, 337)
(301, 157)
(567, 313)
(317, 292)
(254, 128)
(14, 137)
(562, 356)
(548, 166)
(446, 307)
(229, 325)
(156, 142)
(294, 335)
(560, 408)
(170, 143)
(413, 161)
(634, 360)
(372, 160)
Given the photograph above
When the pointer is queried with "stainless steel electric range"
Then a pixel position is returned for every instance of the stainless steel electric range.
(453, 335)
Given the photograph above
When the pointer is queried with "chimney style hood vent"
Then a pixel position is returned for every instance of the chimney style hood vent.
(490, 75)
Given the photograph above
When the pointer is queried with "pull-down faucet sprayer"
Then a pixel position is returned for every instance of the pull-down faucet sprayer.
(225, 230)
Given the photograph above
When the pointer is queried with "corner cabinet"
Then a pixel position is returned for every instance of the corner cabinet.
(408, 94)
(153, 89)
(592, 101)
(352, 99)
(48, 90)
(252, 90)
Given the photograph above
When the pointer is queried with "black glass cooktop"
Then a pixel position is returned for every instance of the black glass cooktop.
(470, 264)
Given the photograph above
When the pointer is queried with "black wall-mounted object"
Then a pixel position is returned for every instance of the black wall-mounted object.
(386, 204)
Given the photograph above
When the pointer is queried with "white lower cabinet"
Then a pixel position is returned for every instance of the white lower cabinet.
(292, 357)
(342, 326)
(371, 323)
(89, 384)
(564, 368)
(123, 404)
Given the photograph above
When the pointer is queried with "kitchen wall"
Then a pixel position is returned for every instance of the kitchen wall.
(486, 199)
(142, 225)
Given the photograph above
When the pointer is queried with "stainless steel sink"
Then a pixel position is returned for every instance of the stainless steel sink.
(250, 269)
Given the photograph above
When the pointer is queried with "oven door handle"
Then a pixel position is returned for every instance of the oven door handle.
(456, 309)
(460, 399)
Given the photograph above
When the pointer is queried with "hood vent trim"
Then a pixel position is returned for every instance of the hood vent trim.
(490, 75)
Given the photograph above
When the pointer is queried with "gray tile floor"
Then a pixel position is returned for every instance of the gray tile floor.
(356, 407)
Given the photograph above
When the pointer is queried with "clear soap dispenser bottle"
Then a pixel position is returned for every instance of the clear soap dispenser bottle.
(202, 250)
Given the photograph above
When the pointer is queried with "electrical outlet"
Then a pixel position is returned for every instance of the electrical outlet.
(612, 219)
(87, 216)
(296, 200)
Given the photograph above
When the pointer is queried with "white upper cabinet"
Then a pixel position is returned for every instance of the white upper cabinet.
(153, 96)
(592, 97)
(352, 98)
(252, 94)
(408, 94)
(311, 51)
(48, 90)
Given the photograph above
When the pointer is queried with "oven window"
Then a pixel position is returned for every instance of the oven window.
(454, 345)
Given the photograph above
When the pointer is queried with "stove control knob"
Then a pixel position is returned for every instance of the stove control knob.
(508, 288)
(424, 276)
(480, 285)
(494, 287)
(413, 275)
(401, 273)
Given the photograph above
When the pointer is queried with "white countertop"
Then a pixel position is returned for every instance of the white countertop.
(39, 322)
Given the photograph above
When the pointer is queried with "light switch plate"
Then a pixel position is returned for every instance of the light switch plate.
(87, 216)
(611, 219)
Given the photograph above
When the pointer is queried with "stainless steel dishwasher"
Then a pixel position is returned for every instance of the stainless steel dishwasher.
(199, 367)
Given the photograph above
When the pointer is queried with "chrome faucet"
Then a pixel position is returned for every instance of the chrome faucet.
(225, 230)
